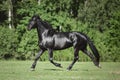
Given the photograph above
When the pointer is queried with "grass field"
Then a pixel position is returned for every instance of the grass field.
(20, 70)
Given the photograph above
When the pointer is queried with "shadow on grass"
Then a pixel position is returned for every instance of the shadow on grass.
(53, 69)
(61, 69)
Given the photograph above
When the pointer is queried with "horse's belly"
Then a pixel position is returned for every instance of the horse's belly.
(62, 44)
(48, 42)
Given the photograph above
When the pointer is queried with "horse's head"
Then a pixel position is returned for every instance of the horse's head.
(33, 22)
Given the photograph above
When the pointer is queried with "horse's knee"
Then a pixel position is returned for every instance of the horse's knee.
(76, 58)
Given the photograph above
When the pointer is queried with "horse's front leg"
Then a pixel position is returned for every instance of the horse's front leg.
(50, 52)
(36, 59)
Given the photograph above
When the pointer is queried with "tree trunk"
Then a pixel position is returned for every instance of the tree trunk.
(10, 14)
(9, 18)
(38, 2)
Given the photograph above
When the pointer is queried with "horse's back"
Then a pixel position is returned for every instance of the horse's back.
(67, 39)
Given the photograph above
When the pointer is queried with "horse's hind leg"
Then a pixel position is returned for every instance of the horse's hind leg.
(36, 58)
(50, 51)
(76, 57)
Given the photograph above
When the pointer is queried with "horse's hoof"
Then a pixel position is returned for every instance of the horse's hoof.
(69, 68)
(99, 66)
(32, 69)
(59, 65)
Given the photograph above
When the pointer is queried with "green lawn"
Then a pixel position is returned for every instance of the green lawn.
(20, 70)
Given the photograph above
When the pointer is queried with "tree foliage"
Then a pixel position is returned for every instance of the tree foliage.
(8, 43)
(99, 19)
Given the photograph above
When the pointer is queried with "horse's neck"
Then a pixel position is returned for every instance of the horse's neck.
(47, 25)
(40, 29)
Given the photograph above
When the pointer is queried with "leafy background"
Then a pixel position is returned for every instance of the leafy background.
(99, 19)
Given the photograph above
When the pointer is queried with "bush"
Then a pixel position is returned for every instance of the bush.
(28, 45)
(8, 43)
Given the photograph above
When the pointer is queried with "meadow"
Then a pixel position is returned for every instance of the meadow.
(20, 70)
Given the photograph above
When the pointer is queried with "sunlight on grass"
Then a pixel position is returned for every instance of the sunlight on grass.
(20, 70)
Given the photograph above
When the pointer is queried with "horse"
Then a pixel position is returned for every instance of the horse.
(50, 40)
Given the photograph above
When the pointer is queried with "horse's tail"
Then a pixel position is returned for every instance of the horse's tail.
(94, 50)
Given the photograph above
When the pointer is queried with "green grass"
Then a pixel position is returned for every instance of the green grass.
(20, 70)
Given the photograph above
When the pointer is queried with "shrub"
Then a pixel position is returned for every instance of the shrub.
(8, 43)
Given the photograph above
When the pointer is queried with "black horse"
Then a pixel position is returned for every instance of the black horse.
(51, 40)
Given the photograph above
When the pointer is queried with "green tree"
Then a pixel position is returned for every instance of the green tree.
(99, 19)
